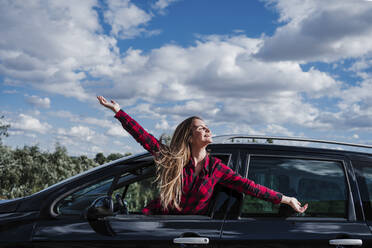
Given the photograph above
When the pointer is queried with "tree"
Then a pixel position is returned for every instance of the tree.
(27, 170)
(165, 139)
(3, 128)
(114, 156)
(100, 158)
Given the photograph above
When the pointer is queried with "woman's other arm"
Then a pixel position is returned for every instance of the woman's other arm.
(233, 180)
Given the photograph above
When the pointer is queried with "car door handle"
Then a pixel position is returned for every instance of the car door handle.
(346, 242)
(191, 240)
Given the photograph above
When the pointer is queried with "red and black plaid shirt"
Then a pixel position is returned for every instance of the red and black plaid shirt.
(197, 191)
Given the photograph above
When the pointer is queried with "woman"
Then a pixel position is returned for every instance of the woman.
(186, 173)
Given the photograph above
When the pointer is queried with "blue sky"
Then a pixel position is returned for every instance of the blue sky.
(275, 67)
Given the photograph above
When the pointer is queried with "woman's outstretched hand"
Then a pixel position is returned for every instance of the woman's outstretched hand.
(114, 106)
(294, 203)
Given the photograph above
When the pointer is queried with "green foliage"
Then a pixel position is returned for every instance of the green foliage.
(27, 170)
(3, 128)
(140, 194)
(113, 156)
(165, 139)
(101, 159)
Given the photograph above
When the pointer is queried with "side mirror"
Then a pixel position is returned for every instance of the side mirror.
(101, 207)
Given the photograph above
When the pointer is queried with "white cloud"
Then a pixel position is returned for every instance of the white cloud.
(28, 123)
(314, 31)
(57, 56)
(241, 129)
(162, 125)
(38, 101)
(117, 131)
(126, 19)
(15, 132)
(63, 114)
(361, 67)
(220, 79)
(113, 128)
(82, 119)
(218, 67)
(82, 132)
(79, 133)
(160, 5)
(274, 129)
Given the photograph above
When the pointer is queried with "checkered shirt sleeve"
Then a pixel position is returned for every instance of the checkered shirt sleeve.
(149, 142)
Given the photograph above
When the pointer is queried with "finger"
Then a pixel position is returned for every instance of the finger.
(305, 206)
(303, 209)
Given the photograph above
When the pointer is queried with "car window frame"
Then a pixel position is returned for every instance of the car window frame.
(115, 184)
(357, 166)
(176, 216)
(350, 211)
(112, 173)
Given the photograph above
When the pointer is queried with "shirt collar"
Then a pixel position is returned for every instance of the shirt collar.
(205, 166)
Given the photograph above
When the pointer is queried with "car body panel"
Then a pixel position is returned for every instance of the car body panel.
(33, 222)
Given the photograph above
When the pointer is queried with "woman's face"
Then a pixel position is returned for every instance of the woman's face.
(201, 135)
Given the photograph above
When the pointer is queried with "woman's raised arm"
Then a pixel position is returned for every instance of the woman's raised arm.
(149, 142)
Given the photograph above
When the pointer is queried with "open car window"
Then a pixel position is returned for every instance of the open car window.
(131, 192)
(137, 194)
(78, 201)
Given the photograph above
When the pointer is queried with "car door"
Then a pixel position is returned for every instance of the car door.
(64, 221)
(130, 190)
(138, 230)
(69, 227)
(322, 181)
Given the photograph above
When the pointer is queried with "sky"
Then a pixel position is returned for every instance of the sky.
(294, 68)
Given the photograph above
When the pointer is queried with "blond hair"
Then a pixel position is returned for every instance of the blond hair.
(170, 163)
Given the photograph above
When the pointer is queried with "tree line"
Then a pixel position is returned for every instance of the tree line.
(27, 170)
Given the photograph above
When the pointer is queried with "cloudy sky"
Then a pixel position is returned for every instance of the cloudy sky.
(275, 67)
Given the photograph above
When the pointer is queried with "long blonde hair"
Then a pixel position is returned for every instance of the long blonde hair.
(170, 162)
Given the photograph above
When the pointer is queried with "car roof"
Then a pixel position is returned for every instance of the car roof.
(292, 148)
(291, 143)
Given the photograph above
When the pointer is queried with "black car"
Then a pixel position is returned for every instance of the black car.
(102, 207)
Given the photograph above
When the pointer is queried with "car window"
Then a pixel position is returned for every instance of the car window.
(321, 184)
(364, 178)
(78, 201)
(140, 193)
(225, 158)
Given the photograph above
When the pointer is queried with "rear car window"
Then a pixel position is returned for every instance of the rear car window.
(321, 184)
(364, 178)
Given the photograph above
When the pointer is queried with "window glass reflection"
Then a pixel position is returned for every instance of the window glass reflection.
(319, 183)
